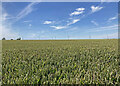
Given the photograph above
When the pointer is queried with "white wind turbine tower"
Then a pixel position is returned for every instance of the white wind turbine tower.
(68, 36)
(89, 36)
(107, 36)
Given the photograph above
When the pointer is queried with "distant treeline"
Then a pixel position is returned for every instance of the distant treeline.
(11, 39)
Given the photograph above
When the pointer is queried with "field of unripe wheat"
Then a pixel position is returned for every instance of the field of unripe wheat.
(60, 61)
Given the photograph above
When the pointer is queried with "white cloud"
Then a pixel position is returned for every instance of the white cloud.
(8, 33)
(95, 23)
(95, 9)
(30, 25)
(70, 23)
(47, 22)
(4, 16)
(58, 27)
(78, 11)
(28, 9)
(112, 18)
(74, 21)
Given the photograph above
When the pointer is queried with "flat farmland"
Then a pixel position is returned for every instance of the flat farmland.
(60, 61)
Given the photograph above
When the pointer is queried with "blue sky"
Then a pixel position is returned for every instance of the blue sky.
(60, 20)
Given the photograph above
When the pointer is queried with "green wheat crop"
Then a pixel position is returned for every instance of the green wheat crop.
(60, 61)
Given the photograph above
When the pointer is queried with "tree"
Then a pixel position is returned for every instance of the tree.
(18, 38)
(3, 38)
(11, 39)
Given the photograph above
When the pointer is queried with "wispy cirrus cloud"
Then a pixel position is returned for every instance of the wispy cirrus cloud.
(78, 11)
(8, 33)
(72, 29)
(24, 12)
(27, 10)
(4, 16)
(95, 9)
(113, 35)
(73, 22)
(58, 27)
(109, 0)
(94, 22)
(65, 26)
(106, 36)
(26, 21)
(5, 27)
(112, 27)
(112, 18)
